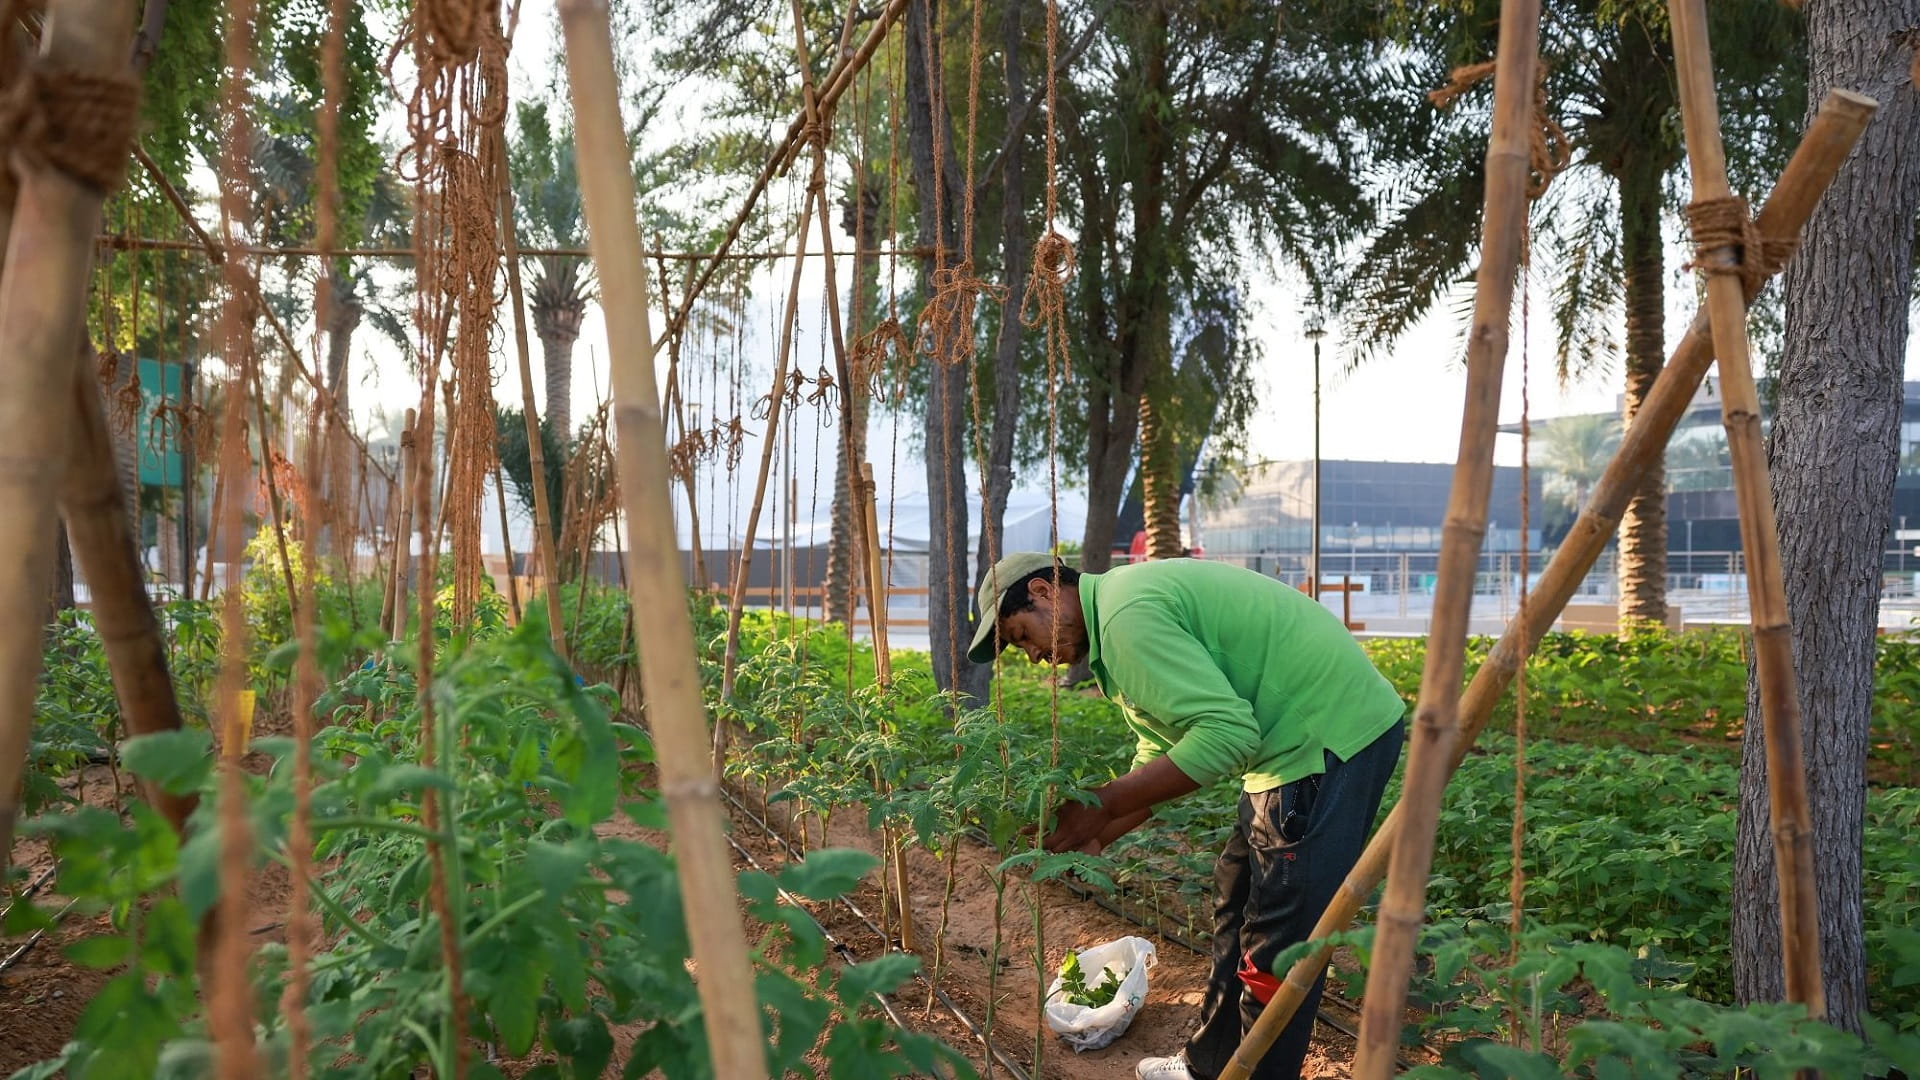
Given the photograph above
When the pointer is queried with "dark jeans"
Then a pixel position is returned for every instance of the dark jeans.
(1270, 892)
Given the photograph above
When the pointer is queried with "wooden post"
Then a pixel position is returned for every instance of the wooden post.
(876, 578)
(1827, 143)
(1435, 720)
(42, 309)
(669, 672)
(1766, 588)
(536, 450)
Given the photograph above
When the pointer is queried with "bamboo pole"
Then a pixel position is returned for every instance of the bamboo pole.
(1435, 719)
(506, 542)
(396, 606)
(42, 309)
(669, 671)
(838, 80)
(1842, 116)
(536, 450)
(124, 242)
(104, 550)
(1766, 587)
(776, 401)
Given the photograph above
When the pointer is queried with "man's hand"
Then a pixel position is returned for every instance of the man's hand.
(1077, 826)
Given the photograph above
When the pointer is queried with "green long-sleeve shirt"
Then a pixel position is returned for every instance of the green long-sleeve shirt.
(1230, 672)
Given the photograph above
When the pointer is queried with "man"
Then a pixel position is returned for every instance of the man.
(1220, 672)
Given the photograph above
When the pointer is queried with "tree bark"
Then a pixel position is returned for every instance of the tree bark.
(1113, 414)
(558, 308)
(844, 551)
(1015, 249)
(950, 626)
(1643, 530)
(1833, 455)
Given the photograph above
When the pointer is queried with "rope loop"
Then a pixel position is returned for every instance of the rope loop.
(824, 395)
(1718, 224)
(946, 323)
(867, 361)
(1045, 303)
(79, 122)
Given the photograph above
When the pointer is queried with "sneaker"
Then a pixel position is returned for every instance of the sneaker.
(1163, 1068)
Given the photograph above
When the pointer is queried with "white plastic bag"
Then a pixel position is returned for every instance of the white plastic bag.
(1086, 1028)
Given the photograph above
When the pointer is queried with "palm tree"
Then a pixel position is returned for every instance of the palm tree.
(1574, 451)
(1601, 228)
(1198, 139)
(548, 214)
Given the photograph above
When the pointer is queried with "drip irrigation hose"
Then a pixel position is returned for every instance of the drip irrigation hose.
(13, 957)
(1013, 1068)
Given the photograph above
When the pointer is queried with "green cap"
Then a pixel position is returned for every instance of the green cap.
(999, 578)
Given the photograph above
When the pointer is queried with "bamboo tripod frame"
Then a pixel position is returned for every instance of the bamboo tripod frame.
(1435, 725)
(664, 639)
(1766, 587)
(1828, 141)
(43, 303)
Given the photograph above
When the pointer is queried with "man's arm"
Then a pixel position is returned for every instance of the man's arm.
(1124, 803)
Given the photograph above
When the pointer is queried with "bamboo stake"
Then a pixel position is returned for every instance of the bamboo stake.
(669, 671)
(42, 308)
(743, 565)
(1435, 720)
(506, 542)
(403, 540)
(838, 81)
(1766, 587)
(1842, 116)
(536, 450)
(103, 549)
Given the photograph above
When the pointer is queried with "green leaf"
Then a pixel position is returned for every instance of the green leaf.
(404, 777)
(557, 867)
(105, 951)
(827, 873)
(584, 1039)
(880, 975)
(178, 761)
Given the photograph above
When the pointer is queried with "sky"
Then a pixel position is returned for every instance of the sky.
(1402, 406)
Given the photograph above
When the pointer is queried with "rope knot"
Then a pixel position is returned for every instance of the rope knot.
(1720, 224)
(823, 395)
(946, 323)
(868, 359)
(1045, 301)
(81, 123)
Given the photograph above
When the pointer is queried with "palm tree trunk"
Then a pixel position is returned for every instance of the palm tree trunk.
(1643, 530)
(1834, 452)
(844, 553)
(558, 327)
(1160, 463)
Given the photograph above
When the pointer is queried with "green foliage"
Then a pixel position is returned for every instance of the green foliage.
(1074, 988)
(516, 457)
(566, 930)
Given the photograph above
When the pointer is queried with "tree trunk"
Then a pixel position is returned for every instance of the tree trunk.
(1014, 252)
(343, 319)
(1160, 472)
(1643, 529)
(844, 552)
(1113, 415)
(1833, 455)
(950, 627)
(558, 308)
(60, 596)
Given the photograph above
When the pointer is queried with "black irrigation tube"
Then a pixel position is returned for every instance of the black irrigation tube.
(1013, 1068)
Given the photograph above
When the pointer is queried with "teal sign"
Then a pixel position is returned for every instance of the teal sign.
(158, 428)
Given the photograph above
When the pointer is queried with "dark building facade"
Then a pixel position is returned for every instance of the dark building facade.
(1366, 507)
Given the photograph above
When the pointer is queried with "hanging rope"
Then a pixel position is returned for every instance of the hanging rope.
(1549, 151)
(81, 123)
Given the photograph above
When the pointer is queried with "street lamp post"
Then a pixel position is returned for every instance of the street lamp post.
(1314, 331)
